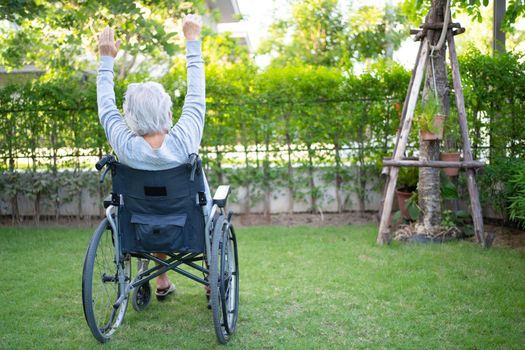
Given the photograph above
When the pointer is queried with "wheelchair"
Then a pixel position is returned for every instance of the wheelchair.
(152, 212)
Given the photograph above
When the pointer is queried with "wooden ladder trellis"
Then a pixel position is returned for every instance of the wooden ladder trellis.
(391, 166)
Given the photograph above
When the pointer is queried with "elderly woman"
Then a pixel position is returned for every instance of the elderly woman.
(145, 138)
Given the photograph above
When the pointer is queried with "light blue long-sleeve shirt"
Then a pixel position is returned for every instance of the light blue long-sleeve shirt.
(184, 137)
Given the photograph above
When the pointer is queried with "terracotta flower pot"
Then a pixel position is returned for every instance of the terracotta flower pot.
(439, 121)
(402, 198)
(450, 157)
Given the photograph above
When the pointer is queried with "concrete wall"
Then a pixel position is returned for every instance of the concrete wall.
(91, 204)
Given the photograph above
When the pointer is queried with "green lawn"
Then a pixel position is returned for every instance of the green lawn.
(301, 288)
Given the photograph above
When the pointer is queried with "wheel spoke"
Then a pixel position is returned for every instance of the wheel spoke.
(101, 287)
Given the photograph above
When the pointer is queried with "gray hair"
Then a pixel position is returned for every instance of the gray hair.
(147, 108)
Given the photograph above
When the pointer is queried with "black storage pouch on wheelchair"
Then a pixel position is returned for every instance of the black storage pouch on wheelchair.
(160, 212)
(155, 232)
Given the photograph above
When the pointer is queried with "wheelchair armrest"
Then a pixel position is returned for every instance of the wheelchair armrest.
(221, 196)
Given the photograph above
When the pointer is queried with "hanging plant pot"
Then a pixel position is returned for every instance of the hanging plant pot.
(402, 196)
(450, 157)
(437, 130)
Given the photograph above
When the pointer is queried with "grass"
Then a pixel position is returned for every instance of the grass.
(301, 288)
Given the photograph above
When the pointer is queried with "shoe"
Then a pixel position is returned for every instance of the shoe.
(163, 293)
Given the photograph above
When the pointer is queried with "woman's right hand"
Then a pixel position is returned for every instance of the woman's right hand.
(191, 26)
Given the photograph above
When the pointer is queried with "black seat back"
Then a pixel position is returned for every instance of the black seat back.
(160, 212)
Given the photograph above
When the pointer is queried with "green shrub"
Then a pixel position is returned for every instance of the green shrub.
(496, 183)
(517, 200)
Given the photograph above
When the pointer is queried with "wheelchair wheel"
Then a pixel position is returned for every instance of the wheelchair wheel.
(224, 281)
(141, 297)
(100, 287)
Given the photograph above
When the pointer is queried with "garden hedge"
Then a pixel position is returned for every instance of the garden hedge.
(271, 128)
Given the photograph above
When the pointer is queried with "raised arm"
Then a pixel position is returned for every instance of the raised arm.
(117, 132)
(191, 123)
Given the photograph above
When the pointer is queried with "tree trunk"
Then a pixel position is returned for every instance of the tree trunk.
(477, 131)
(126, 67)
(101, 193)
(15, 213)
(338, 178)
(515, 129)
(257, 143)
(361, 165)
(266, 178)
(218, 165)
(290, 168)
(55, 150)
(37, 209)
(313, 191)
(247, 182)
(79, 208)
(57, 205)
(386, 131)
(122, 73)
(11, 160)
(10, 140)
(429, 183)
(389, 26)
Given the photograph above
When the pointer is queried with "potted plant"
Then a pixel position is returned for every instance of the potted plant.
(452, 141)
(430, 118)
(407, 185)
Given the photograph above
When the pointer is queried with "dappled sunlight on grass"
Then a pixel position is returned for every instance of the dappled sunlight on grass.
(301, 287)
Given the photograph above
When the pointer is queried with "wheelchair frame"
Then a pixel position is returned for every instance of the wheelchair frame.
(219, 240)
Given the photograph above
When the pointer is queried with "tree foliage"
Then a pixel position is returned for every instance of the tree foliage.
(495, 101)
(324, 33)
(417, 9)
(57, 35)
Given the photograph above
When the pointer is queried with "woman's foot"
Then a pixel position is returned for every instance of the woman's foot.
(162, 293)
(164, 287)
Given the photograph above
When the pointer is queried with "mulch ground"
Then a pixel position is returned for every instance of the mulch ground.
(302, 219)
(504, 236)
(507, 236)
